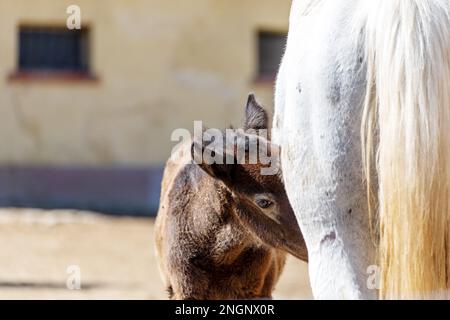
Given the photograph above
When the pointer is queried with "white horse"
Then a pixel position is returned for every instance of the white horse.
(363, 108)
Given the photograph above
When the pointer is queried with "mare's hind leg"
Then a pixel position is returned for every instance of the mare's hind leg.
(323, 90)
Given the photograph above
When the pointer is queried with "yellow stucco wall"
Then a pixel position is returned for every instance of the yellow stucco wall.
(161, 65)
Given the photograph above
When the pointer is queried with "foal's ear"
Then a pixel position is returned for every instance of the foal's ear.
(255, 116)
(221, 171)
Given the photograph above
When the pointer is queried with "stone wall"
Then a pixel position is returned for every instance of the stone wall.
(160, 65)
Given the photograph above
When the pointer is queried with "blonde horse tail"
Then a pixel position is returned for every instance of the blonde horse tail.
(406, 137)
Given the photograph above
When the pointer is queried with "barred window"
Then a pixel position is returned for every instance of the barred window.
(271, 48)
(53, 49)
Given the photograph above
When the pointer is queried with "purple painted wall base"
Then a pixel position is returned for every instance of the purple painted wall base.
(116, 190)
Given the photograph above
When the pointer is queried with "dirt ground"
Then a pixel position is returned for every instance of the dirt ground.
(114, 255)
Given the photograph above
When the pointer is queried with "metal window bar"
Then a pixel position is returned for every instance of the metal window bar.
(270, 51)
(53, 49)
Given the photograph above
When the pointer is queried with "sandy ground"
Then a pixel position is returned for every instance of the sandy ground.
(114, 255)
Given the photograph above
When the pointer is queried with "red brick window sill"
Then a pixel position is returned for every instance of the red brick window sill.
(265, 79)
(38, 76)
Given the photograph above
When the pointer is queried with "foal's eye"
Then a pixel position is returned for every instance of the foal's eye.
(264, 203)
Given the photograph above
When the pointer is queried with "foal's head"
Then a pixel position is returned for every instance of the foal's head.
(250, 170)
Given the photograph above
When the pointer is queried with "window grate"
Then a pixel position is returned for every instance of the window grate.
(53, 49)
(271, 48)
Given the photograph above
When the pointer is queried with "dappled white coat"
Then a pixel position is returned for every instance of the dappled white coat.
(378, 70)
(318, 108)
